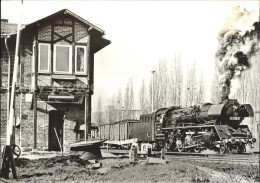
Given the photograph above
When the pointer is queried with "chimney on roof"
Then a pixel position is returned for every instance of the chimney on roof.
(4, 20)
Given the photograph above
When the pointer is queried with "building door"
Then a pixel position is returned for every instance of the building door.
(55, 129)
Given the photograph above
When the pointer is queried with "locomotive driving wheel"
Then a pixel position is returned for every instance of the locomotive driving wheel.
(180, 149)
(197, 150)
(238, 149)
(222, 149)
(179, 146)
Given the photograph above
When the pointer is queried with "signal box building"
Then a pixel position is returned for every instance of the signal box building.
(55, 80)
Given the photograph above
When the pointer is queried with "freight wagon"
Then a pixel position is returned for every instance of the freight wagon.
(124, 133)
(118, 133)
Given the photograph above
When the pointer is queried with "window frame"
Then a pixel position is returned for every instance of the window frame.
(54, 59)
(84, 72)
(49, 58)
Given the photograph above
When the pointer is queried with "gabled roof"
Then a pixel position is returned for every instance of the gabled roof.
(99, 43)
(66, 11)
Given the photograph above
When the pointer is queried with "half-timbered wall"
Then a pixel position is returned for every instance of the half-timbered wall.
(64, 30)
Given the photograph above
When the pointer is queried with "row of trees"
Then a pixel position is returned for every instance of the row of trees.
(172, 86)
(123, 100)
(175, 86)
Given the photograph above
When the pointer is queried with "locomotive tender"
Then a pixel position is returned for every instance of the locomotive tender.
(204, 126)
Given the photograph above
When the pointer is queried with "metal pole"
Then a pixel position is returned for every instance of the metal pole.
(152, 88)
(15, 73)
(9, 77)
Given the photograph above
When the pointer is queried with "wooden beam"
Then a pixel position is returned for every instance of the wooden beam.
(73, 30)
(88, 93)
(88, 55)
(62, 38)
(89, 115)
(86, 118)
(52, 40)
(73, 58)
(35, 94)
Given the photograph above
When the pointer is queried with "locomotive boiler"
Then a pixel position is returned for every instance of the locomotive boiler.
(205, 126)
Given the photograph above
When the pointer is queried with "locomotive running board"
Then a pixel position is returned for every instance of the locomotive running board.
(185, 127)
(121, 142)
(187, 147)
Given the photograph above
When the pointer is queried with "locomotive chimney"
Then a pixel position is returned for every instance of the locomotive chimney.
(224, 94)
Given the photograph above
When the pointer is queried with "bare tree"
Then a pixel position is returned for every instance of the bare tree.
(200, 96)
(190, 85)
(215, 89)
(160, 85)
(179, 81)
(129, 98)
(113, 100)
(249, 89)
(142, 96)
(99, 111)
(119, 105)
(175, 83)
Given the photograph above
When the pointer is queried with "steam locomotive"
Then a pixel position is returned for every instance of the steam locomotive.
(206, 126)
(193, 129)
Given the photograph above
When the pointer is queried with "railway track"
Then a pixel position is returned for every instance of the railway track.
(229, 159)
(250, 159)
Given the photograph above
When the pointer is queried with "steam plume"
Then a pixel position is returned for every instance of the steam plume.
(238, 42)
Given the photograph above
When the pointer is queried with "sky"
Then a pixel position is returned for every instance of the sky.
(142, 33)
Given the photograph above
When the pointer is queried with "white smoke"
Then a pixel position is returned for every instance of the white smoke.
(235, 85)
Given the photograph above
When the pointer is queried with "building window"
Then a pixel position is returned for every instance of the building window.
(44, 57)
(62, 59)
(80, 59)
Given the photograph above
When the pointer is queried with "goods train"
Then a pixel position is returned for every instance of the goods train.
(205, 126)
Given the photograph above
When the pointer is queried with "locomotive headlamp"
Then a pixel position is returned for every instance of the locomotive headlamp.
(233, 140)
(253, 140)
(235, 110)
